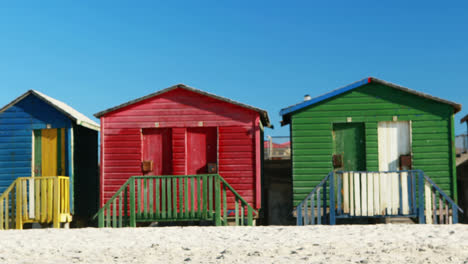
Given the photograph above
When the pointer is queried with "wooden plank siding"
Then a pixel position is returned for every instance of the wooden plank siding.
(180, 109)
(16, 126)
(312, 143)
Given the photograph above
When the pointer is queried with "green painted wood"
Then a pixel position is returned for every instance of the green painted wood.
(151, 198)
(101, 220)
(217, 194)
(249, 216)
(242, 215)
(453, 159)
(210, 196)
(311, 134)
(138, 196)
(349, 141)
(169, 198)
(205, 196)
(108, 216)
(145, 198)
(159, 199)
(174, 198)
(37, 153)
(186, 206)
(192, 197)
(126, 212)
(132, 203)
(225, 211)
(236, 211)
(120, 209)
(114, 213)
(199, 197)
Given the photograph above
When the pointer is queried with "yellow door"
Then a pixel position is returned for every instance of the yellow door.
(49, 152)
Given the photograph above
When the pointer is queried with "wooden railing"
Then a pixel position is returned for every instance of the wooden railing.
(377, 194)
(175, 198)
(41, 200)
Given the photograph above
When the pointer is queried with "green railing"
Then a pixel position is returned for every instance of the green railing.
(174, 198)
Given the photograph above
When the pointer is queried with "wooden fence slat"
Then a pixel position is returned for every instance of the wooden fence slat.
(186, 207)
(164, 198)
(151, 198)
(395, 193)
(312, 209)
(441, 208)
(370, 194)
(319, 212)
(428, 205)
(376, 192)
(345, 176)
(357, 192)
(364, 193)
(383, 186)
(405, 191)
(236, 211)
(174, 198)
(120, 209)
(114, 214)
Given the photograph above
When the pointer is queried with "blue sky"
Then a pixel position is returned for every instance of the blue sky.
(264, 53)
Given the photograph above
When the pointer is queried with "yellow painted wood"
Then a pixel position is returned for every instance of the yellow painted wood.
(37, 199)
(57, 200)
(50, 199)
(24, 202)
(43, 214)
(19, 217)
(62, 151)
(49, 152)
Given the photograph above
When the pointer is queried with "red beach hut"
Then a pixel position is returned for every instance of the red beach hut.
(182, 131)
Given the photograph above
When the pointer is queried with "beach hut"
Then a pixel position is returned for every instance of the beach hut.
(367, 147)
(181, 154)
(48, 162)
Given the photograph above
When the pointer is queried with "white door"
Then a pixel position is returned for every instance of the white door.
(394, 140)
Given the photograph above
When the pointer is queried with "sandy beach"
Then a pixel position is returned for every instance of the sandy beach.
(276, 244)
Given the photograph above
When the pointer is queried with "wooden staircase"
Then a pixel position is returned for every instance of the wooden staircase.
(175, 198)
(42, 200)
(363, 194)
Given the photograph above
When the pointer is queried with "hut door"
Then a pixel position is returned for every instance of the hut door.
(394, 142)
(201, 149)
(349, 146)
(157, 151)
(49, 152)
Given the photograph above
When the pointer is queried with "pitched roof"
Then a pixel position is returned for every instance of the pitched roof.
(303, 104)
(263, 114)
(62, 107)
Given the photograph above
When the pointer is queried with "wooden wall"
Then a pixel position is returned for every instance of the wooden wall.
(121, 145)
(432, 134)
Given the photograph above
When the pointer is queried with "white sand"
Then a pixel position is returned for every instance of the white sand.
(323, 244)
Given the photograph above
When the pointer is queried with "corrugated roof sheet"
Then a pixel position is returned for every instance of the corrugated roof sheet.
(291, 109)
(263, 114)
(73, 114)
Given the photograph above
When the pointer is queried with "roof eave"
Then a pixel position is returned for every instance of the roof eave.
(294, 108)
(263, 114)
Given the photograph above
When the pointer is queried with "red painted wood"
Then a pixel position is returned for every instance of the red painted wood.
(201, 149)
(122, 146)
(157, 147)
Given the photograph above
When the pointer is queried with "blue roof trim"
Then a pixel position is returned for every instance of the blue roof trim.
(320, 98)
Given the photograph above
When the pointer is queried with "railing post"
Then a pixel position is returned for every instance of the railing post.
(19, 215)
(217, 202)
(56, 206)
(332, 199)
(454, 214)
(299, 214)
(249, 216)
(421, 208)
(132, 203)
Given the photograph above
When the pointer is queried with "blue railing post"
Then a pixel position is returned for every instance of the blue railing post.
(454, 214)
(332, 199)
(421, 208)
(299, 214)
(324, 214)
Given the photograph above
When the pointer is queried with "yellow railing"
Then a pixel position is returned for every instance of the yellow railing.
(43, 200)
